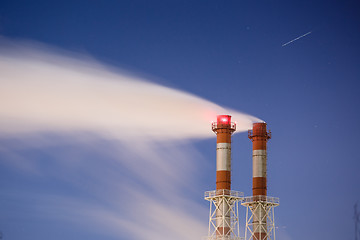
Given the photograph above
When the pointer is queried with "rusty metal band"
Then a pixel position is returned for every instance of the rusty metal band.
(259, 144)
(221, 231)
(259, 186)
(223, 180)
(260, 237)
(223, 135)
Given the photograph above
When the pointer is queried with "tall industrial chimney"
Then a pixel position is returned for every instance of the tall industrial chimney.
(259, 137)
(223, 130)
(223, 221)
(260, 222)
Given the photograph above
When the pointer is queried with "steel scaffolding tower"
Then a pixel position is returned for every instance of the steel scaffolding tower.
(224, 212)
(260, 222)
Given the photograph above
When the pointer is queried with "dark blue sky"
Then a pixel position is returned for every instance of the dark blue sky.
(229, 52)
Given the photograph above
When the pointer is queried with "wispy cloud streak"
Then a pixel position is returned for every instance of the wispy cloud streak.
(41, 91)
(112, 142)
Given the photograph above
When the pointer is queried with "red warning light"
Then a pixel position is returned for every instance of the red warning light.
(223, 119)
(223, 122)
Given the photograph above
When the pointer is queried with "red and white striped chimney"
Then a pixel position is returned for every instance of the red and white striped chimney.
(259, 137)
(223, 129)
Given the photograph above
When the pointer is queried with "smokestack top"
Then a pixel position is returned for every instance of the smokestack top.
(259, 128)
(223, 122)
(259, 131)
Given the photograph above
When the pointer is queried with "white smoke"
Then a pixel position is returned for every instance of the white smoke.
(138, 184)
(43, 91)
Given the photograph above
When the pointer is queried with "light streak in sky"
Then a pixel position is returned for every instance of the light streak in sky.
(296, 39)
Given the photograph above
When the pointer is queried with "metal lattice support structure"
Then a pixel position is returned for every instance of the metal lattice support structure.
(260, 221)
(224, 214)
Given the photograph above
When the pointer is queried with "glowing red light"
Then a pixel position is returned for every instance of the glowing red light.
(224, 119)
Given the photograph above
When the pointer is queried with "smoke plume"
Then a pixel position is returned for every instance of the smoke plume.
(79, 120)
(41, 91)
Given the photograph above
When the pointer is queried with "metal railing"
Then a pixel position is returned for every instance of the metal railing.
(251, 134)
(261, 198)
(223, 192)
(215, 125)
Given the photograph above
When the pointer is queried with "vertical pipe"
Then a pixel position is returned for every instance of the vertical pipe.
(223, 129)
(259, 137)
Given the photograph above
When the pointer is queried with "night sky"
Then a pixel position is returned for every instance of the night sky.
(225, 51)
